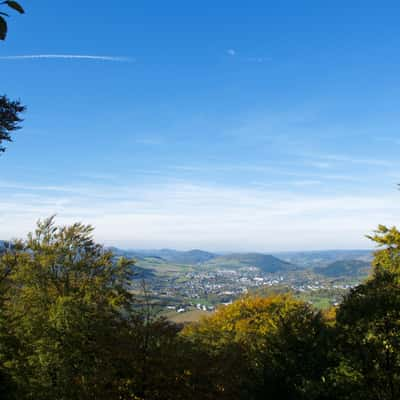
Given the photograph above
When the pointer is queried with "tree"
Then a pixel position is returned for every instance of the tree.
(70, 329)
(282, 344)
(3, 15)
(368, 327)
(10, 117)
(155, 363)
(64, 302)
(9, 110)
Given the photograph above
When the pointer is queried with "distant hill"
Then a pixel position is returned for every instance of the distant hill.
(125, 253)
(348, 268)
(191, 257)
(311, 259)
(265, 262)
(329, 263)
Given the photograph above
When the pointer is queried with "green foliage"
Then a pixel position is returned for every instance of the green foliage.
(275, 335)
(70, 329)
(388, 257)
(368, 333)
(368, 327)
(10, 117)
(3, 15)
(63, 299)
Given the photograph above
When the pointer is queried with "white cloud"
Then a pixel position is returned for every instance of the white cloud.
(342, 158)
(273, 171)
(216, 218)
(67, 57)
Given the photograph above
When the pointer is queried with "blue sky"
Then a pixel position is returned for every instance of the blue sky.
(237, 126)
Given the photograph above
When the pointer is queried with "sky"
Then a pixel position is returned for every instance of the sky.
(227, 126)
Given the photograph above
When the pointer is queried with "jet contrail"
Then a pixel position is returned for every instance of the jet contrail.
(66, 57)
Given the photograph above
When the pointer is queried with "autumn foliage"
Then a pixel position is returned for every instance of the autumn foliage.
(71, 329)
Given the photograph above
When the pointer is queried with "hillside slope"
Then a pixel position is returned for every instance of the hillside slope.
(265, 262)
(348, 268)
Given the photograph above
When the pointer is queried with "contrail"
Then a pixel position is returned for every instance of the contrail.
(66, 57)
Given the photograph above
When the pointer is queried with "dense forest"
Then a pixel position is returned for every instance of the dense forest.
(71, 329)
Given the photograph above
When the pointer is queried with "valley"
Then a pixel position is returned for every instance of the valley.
(187, 285)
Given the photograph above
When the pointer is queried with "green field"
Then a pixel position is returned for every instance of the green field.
(189, 316)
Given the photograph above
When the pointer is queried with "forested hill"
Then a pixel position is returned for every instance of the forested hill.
(329, 263)
(190, 257)
(322, 258)
(355, 268)
(265, 262)
(300, 258)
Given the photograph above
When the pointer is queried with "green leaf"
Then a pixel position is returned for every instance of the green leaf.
(3, 28)
(15, 6)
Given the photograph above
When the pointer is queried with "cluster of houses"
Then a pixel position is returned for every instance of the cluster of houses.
(204, 289)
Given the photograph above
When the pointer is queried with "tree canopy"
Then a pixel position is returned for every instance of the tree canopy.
(71, 328)
(62, 299)
(368, 326)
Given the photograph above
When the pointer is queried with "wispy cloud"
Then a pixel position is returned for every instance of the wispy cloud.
(272, 170)
(341, 158)
(231, 52)
(187, 215)
(67, 57)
